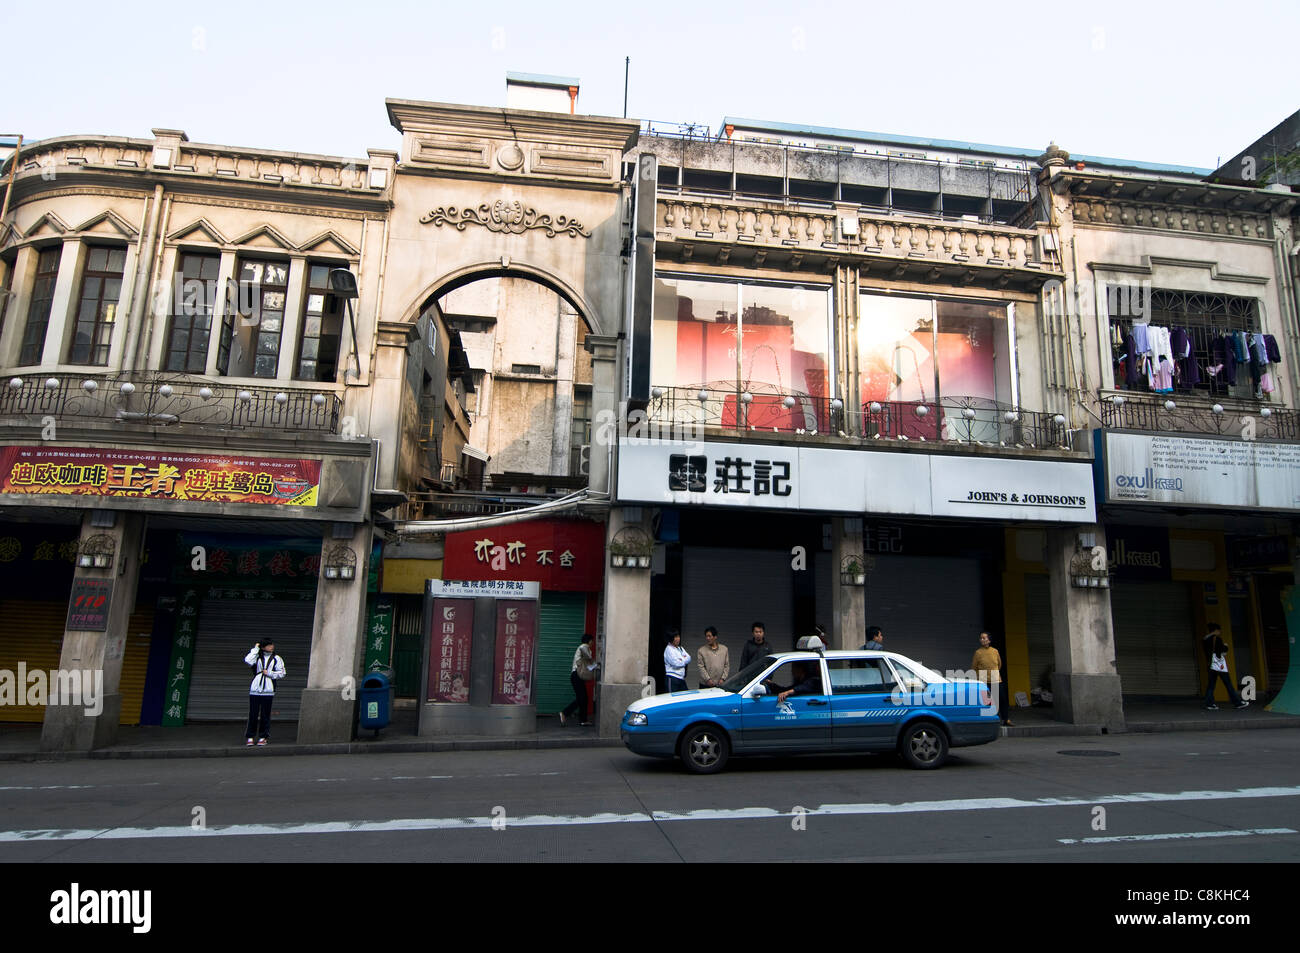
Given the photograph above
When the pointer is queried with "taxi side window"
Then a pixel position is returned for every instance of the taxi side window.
(856, 676)
(790, 674)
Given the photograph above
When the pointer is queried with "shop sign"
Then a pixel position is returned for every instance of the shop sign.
(1265, 551)
(449, 650)
(516, 638)
(1137, 553)
(379, 634)
(266, 563)
(142, 474)
(176, 692)
(829, 480)
(483, 589)
(89, 604)
(1192, 471)
(559, 555)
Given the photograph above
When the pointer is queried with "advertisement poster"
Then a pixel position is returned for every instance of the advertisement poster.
(512, 673)
(213, 478)
(89, 604)
(449, 650)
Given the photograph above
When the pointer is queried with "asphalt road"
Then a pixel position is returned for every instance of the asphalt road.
(1179, 797)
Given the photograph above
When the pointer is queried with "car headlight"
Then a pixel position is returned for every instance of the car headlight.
(636, 718)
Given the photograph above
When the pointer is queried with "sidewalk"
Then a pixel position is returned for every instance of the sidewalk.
(22, 742)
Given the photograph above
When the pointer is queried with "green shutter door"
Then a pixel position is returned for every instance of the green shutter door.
(563, 615)
(408, 621)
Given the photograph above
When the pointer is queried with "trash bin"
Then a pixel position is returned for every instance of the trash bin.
(376, 701)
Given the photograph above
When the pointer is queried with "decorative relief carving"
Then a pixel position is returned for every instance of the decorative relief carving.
(508, 217)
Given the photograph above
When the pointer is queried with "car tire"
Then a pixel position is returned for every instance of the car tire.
(704, 749)
(923, 745)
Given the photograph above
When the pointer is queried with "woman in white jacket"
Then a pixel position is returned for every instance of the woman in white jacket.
(267, 669)
(676, 659)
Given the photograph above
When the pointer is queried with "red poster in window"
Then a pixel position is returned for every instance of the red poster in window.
(512, 673)
(449, 650)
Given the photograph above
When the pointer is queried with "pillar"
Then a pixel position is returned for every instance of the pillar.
(1086, 685)
(91, 653)
(624, 658)
(849, 624)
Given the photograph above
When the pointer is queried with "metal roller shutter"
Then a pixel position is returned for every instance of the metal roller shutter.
(1155, 643)
(932, 609)
(559, 630)
(227, 630)
(730, 589)
(1038, 622)
(33, 633)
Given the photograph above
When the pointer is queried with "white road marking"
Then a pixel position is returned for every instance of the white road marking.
(1191, 835)
(562, 820)
(79, 787)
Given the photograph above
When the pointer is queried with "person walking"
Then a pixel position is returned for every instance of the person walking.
(580, 674)
(1216, 658)
(268, 668)
(676, 659)
(712, 660)
(987, 663)
(757, 647)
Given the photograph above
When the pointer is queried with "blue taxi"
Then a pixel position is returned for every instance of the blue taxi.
(816, 701)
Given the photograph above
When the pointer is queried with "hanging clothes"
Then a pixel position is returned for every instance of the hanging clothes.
(1271, 349)
(1132, 367)
(1258, 352)
(1225, 358)
(1141, 337)
(1266, 383)
(1239, 347)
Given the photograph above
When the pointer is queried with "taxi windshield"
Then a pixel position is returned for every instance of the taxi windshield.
(746, 675)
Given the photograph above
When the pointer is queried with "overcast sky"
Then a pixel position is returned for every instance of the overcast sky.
(1182, 83)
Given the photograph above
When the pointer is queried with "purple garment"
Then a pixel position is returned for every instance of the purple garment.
(1132, 367)
(1225, 355)
(1270, 347)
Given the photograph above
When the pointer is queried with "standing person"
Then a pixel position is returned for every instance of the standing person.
(987, 663)
(579, 675)
(676, 659)
(875, 638)
(268, 668)
(589, 679)
(757, 647)
(713, 660)
(1216, 657)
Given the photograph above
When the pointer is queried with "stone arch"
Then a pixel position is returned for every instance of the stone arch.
(468, 274)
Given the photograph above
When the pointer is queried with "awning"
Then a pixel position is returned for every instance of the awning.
(474, 452)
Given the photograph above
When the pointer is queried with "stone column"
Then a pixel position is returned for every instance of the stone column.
(1086, 685)
(624, 648)
(92, 660)
(22, 279)
(603, 349)
(337, 641)
(63, 307)
(849, 625)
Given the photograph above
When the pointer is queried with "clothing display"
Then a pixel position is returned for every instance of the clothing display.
(1160, 359)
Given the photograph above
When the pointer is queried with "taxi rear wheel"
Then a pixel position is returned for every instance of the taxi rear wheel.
(923, 745)
(704, 749)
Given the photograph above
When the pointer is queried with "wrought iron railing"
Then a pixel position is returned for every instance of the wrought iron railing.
(1180, 414)
(157, 400)
(682, 412)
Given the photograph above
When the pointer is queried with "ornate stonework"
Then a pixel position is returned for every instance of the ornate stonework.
(505, 216)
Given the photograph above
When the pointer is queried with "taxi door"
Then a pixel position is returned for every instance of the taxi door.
(865, 713)
(800, 723)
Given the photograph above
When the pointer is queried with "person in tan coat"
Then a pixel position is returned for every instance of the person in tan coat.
(712, 660)
(987, 663)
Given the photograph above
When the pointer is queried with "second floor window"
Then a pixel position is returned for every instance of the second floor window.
(101, 287)
(38, 312)
(193, 300)
(250, 344)
(322, 327)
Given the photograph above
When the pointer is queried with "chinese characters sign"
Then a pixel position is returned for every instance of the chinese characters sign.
(159, 476)
(449, 650)
(379, 633)
(229, 560)
(89, 604)
(512, 673)
(176, 693)
(731, 474)
(563, 556)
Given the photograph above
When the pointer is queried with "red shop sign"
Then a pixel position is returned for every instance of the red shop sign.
(449, 650)
(561, 555)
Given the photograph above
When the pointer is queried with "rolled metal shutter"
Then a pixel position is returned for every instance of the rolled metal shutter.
(32, 632)
(227, 630)
(1038, 622)
(731, 589)
(931, 608)
(559, 630)
(1156, 646)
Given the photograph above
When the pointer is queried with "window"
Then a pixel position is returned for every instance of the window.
(8, 268)
(580, 433)
(856, 676)
(322, 328)
(769, 341)
(194, 298)
(263, 288)
(101, 286)
(804, 676)
(38, 312)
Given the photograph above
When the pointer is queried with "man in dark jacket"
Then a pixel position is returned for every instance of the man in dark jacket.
(757, 647)
(1216, 658)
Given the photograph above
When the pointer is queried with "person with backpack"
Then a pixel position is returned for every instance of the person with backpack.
(1216, 657)
(268, 668)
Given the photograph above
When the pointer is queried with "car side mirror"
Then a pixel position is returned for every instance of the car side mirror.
(758, 691)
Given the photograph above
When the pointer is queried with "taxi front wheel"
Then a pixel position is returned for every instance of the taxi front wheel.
(704, 749)
(923, 745)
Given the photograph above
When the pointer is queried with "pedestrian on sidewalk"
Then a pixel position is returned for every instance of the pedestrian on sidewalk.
(987, 663)
(1216, 658)
(712, 660)
(580, 674)
(676, 659)
(268, 668)
(757, 647)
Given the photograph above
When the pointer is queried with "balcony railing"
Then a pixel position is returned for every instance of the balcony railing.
(161, 400)
(679, 412)
(1179, 414)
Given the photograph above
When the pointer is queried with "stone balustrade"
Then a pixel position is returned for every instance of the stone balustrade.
(1095, 211)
